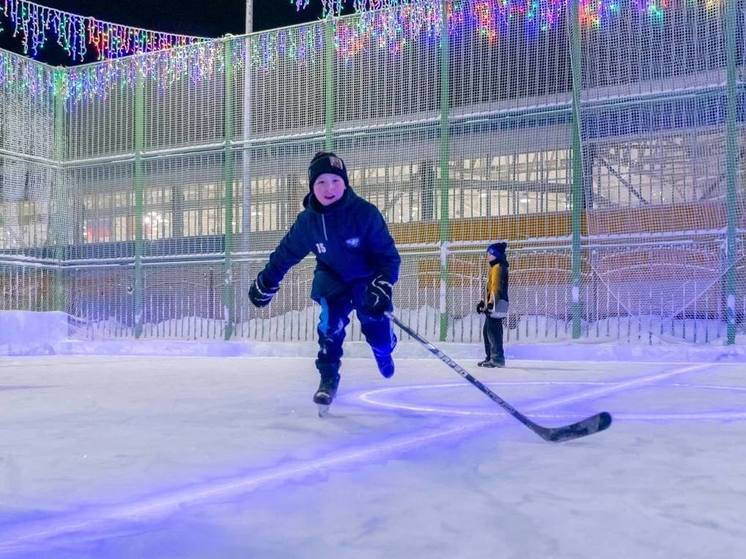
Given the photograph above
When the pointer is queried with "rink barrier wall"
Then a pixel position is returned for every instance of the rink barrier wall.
(468, 353)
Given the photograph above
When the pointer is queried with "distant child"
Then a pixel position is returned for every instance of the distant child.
(357, 265)
(495, 307)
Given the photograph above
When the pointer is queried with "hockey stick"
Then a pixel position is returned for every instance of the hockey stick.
(588, 426)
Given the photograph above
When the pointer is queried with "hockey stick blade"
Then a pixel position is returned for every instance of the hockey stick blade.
(588, 426)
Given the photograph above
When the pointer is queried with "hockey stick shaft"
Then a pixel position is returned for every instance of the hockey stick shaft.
(588, 426)
(463, 372)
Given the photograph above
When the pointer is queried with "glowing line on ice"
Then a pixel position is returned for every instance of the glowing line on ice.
(625, 386)
(377, 398)
(214, 491)
(714, 415)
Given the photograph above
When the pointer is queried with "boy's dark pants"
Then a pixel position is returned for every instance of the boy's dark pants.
(492, 332)
(337, 301)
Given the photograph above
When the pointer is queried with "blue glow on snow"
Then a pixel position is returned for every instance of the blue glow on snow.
(100, 521)
(158, 506)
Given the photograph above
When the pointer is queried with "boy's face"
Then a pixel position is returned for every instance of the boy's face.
(491, 257)
(328, 188)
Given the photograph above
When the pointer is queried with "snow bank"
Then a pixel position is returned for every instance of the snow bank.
(51, 333)
(32, 333)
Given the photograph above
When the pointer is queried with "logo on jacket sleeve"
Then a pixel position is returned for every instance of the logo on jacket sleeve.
(353, 242)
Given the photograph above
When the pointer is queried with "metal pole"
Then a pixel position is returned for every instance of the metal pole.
(247, 114)
(138, 186)
(444, 156)
(329, 108)
(577, 167)
(228, 173)
(249, 16)
(731, 166)
(245, 239)
(57, 212)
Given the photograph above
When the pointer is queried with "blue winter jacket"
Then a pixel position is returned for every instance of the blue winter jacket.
(350, 239)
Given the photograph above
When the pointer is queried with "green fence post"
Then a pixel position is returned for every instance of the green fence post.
(577, 167)
(444, 156)
(59, 198)
(138, 184)
(228, 172)
(329, 60)
(731, 166)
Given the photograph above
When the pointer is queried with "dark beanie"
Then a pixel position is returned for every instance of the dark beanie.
(326, 162)
(496, 249)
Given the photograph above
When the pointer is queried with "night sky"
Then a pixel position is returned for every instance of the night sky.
(213, 18)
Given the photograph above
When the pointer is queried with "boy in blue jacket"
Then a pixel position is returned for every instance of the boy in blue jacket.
(357, 265)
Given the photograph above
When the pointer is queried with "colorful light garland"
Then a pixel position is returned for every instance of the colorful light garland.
(545, 12)
(36, 24)
(335, 7)
(25, 77)
(297, 44)
(405, 21)
(197, 63)
(412, 22)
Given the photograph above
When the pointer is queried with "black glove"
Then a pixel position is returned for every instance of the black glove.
(378, 296)
(260, 294)
(480, 307)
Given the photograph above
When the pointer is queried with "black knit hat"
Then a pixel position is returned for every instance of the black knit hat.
(496, 249)
(326, 162)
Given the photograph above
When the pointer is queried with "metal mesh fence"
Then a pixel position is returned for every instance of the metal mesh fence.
(142, 195)
(27, 158)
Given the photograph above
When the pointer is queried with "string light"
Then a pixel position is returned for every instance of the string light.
(195, 63)
(404, 24)
(36, 25)
(544, 12)
(24, 77)
(297, 44)
(397, 23)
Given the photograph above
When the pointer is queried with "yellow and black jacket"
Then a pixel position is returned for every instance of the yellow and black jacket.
(497, 282)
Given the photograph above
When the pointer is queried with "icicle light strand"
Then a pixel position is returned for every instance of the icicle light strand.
(544, 12)
(35, 25)
(395, 29)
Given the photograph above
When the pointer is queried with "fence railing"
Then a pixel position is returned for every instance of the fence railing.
(608, 153)
(184, 299)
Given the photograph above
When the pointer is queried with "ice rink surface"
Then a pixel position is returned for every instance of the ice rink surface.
(172, 457)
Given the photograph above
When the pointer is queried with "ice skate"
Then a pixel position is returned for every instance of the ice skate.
(326, 392)
(385, 364)
(493, 363)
